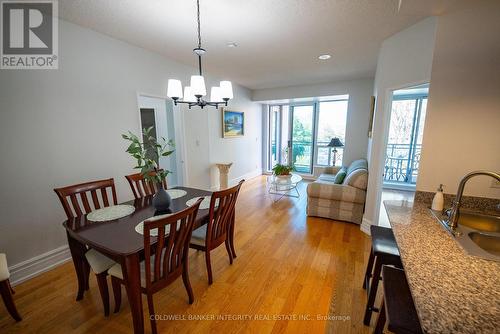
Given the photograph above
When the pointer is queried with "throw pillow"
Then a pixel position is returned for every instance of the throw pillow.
(340, 176)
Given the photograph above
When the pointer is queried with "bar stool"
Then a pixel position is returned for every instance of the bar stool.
(384, 252)
(397, 309)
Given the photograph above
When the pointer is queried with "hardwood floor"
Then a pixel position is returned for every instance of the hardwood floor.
(288, 266)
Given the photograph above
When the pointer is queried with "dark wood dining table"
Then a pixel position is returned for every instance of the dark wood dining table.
(118, 240)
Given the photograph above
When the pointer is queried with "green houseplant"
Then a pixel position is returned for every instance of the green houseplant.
(148, 153)
(280, 170)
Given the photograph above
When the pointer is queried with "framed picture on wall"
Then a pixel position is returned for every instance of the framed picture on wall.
(233, 123)
(372, 112)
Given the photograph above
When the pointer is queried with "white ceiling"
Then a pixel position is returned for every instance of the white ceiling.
(278, 40)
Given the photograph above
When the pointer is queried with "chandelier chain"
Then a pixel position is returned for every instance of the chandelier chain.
(199, 29)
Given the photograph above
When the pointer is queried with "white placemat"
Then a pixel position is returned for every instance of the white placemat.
(176, 193)
(205, 204)
(110, 213)
(139, 228)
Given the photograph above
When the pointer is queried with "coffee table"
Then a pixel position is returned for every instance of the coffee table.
(284, 186)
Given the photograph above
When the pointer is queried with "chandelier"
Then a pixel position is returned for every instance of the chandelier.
(193, 94)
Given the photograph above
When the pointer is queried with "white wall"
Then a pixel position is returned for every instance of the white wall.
(206, 146)
(462, 130)
(60, 127)
(358, 110)
(405, 59)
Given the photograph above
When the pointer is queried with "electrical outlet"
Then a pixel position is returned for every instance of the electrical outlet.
(495, 183)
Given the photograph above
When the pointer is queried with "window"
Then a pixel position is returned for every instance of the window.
(300, 133)
(331, 123)
(274, 131)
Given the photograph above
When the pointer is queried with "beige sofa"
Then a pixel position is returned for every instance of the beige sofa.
(345, 201)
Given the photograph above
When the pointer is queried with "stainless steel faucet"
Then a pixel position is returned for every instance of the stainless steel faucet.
(455, 207)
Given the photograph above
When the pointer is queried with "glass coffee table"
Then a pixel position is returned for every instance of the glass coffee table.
(284, 186)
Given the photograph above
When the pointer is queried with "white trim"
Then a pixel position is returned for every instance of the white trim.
(247, 176)
(39, 264)
(402, 187)
(365, 226)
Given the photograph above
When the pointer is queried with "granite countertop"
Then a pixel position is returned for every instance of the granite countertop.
(453, 292)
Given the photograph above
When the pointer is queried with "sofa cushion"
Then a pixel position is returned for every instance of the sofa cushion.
(357, 164)
(340, 176)
(357, 179)
(335, 192)
(329, 169)
(327, 177)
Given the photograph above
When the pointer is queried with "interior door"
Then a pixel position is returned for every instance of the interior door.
(301, 141)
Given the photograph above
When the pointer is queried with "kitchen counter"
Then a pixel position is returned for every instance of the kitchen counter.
(453, 292)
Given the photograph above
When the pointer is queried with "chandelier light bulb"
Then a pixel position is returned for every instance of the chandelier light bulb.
(215, 94)
(188, 95)
(198, 85)
(226, 89)
(174, 89)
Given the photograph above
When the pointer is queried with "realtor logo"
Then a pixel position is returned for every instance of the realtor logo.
(29, 34)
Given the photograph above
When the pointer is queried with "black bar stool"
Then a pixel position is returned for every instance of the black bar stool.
(384, 252)
(397, 309)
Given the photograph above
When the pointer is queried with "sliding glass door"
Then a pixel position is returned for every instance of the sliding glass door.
(405, 139)
(301, 138)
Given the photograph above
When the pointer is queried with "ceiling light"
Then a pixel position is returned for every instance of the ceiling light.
(324, 57)
(231, 45)
(193, 94)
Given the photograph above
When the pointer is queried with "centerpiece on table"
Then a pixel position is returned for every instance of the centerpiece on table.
(282, 172)
(148, 154)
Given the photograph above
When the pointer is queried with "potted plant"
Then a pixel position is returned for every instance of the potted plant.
(282, 171)
(147, 154)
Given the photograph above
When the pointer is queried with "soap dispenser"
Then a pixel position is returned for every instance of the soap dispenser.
(438, 200)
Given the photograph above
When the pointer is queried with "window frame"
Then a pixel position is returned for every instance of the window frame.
(316, 114)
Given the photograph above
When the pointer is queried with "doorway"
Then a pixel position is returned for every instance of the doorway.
(157, 112)
(404, 144)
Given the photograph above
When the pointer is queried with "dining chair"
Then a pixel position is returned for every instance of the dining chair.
(141, 187)
(76, 203)
(169, 236)
(6, 290)
(220, 226)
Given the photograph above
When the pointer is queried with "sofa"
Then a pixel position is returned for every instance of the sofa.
(339, 193)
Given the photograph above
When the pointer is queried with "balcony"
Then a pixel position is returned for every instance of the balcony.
(302, 156)
(401, 163)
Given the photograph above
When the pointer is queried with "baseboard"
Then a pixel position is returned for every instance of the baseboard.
(365, 226)
(39, 264)
(246, 176)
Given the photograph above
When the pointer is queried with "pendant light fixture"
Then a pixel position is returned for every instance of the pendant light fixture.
(194, 93)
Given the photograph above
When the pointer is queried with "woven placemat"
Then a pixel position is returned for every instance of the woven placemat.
(139, 228)
(110, 213)
(176, 193)
(205, 204)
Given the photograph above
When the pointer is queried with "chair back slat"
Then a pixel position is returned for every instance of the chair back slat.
(95, 200)
(85, 202)
(141, 187)
(104, 196)
(75, 207)
(222, 206)
(164, 259)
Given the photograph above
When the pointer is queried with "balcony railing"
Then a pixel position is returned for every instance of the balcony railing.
(401, 163)
(303, 153)
(323, 156)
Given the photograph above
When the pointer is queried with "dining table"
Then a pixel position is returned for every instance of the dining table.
(119, 240)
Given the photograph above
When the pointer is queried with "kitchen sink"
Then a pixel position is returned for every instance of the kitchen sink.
(490, 243)
(479, 221)
(477, 233)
